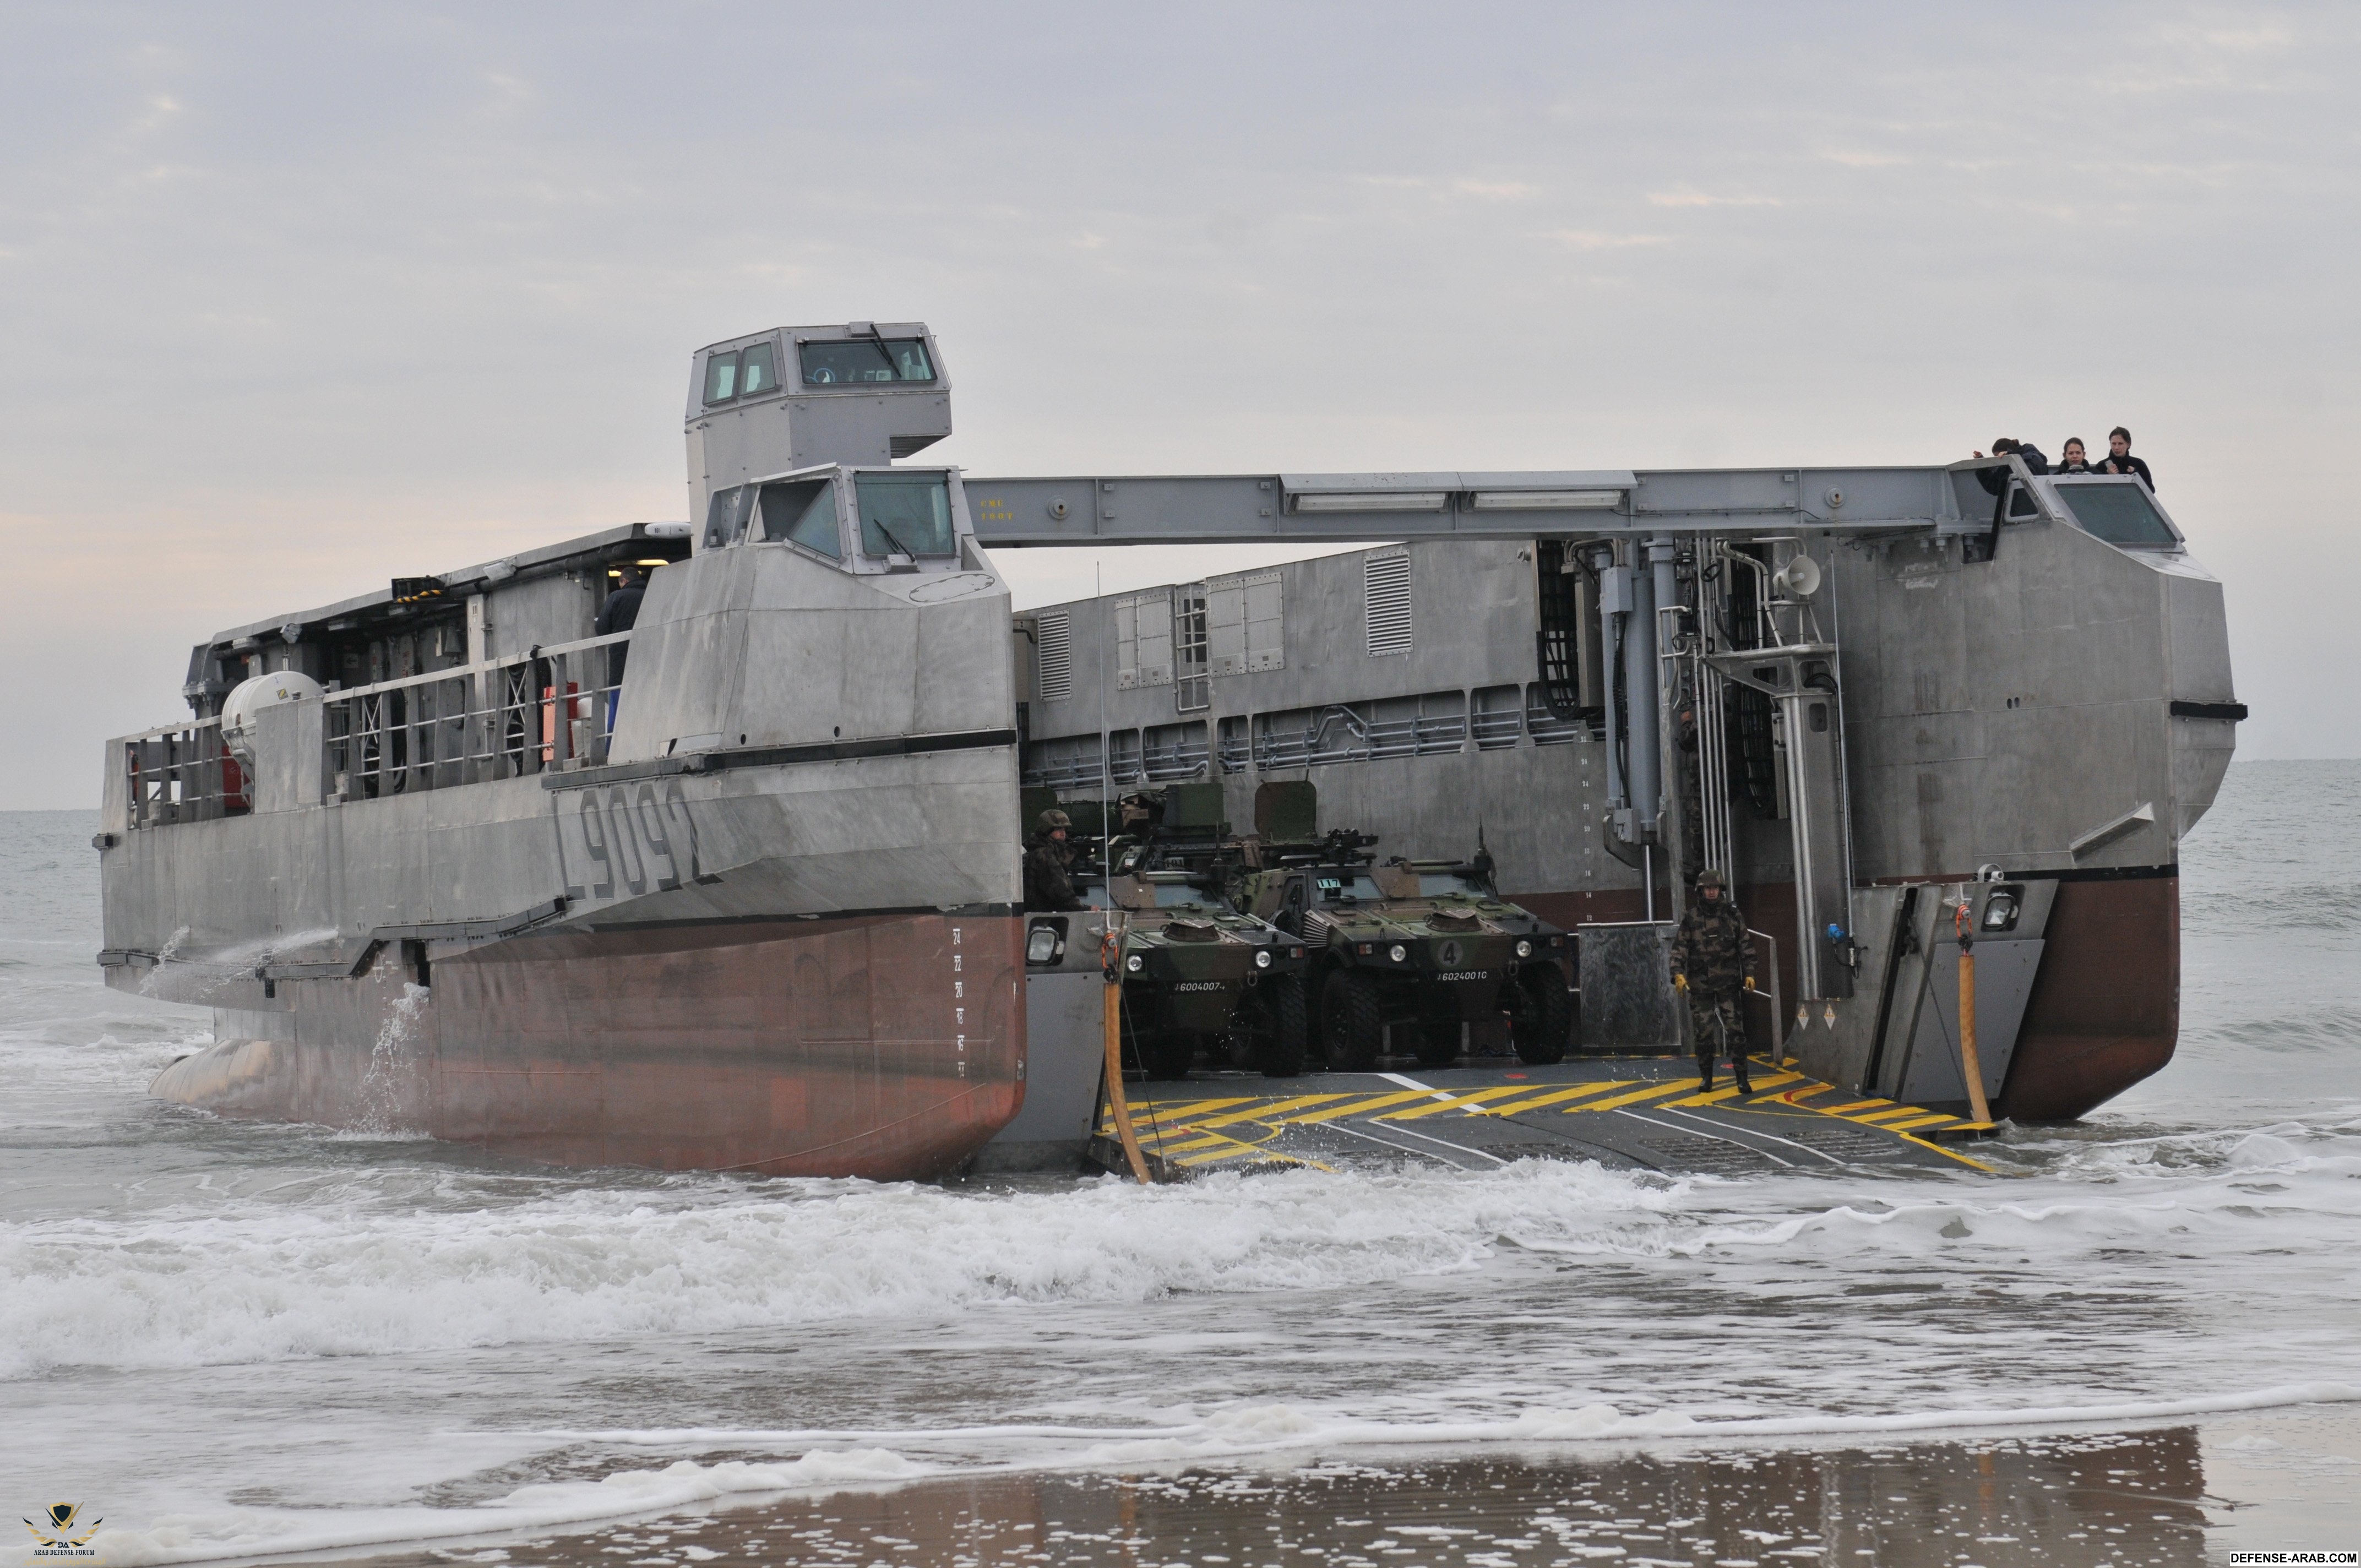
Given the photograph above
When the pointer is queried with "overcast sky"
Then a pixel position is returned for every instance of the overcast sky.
(296, 298)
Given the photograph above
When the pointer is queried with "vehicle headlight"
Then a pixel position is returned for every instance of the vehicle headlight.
(1398, 952)
(1042, 945)
(1134, 964)
(1524, 949)
(1262, 959)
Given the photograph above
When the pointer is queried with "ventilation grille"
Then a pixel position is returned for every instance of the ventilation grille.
(1056, 652)
(1386, 580)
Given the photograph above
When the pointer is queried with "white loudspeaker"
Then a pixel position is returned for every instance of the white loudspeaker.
(1798, 579)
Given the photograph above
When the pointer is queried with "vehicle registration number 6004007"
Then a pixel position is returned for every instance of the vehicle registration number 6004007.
(624, 840)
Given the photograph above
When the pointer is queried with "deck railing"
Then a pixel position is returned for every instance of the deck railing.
(181, 774)
(551, 708)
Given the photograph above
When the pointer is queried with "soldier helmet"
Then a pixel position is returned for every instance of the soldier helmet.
(1051, 820)
(1709, 877)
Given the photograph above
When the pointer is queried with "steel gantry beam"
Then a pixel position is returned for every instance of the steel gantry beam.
(1227, 508)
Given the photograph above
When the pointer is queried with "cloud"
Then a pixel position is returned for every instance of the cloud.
(1686, 197)
(1592, 239)
(1502, 191)
(1853, 158)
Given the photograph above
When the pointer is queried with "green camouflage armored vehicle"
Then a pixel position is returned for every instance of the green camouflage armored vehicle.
(1198, 975)
(1418, 946)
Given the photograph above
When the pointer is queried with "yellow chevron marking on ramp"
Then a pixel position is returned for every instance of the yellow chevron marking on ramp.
(1899, 1113)
(1725, 1096)
(1375, 1102)
(1180, 1139)
(1558, 1096)
(1929, 1120)
(1846, 1111)
(1177, 1107)
(1244, 1149)
(1264, 1110)
(1456, 1103)
(1654, 1092)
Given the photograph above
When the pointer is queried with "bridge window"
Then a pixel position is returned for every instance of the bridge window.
(862, 360)
(725, 516)
(2117, 511)
(720, 378)
(758, 370)
(803, 512)
(904, 514)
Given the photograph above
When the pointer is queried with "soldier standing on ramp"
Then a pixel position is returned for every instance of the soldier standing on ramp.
(1713, 966)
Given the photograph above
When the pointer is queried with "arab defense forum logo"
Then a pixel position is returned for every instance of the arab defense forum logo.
(59, 1540)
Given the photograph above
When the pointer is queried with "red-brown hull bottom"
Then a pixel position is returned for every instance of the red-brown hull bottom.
(2105, 1007)
(889, 1047)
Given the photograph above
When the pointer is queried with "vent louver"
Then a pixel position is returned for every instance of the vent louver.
(1386, 581)
(1055, 633)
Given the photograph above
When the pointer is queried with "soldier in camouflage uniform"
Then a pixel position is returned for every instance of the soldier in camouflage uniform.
(1713, 966)
(1047, 885)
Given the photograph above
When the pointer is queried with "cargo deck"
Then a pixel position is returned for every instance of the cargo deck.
(1625, 1112)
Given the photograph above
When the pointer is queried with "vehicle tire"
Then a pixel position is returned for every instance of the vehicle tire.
(1148, 1047)
(1438, 1039)
(1284, 1038)
(1541, 1015)
(1168, 1054)
(1350, 1024)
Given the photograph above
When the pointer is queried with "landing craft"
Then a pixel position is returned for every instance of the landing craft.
(441, 859)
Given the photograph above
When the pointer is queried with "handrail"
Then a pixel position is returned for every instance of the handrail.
(403, 682)
(457, 672)
(182, 728)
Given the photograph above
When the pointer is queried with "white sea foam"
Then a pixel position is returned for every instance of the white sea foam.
(249, 1532)
(205, 1286)
(227, 1283)
(1242, 1433)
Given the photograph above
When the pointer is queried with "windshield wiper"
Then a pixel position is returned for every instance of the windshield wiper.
(877, 340)
(890, 539)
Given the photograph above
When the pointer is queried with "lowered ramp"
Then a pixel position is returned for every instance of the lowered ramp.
(1623, 1112)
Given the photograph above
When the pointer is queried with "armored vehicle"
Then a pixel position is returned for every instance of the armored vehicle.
(1198, 976)
(1427, 944)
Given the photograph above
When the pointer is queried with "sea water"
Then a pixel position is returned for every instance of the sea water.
(228, 1339)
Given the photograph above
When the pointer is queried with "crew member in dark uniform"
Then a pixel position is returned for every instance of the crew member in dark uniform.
(1047, 885)
(2119, 458)
(1713, 966)
(1994, 479)
(620, 613)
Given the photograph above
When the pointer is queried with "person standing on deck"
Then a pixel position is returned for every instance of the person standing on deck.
(1713, 966)
(620, 613)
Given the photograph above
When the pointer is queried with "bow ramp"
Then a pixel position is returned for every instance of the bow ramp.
(1625, 1113)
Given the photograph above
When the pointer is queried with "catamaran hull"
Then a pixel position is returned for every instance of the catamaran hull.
(2103, 1011)
(887, 1045)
